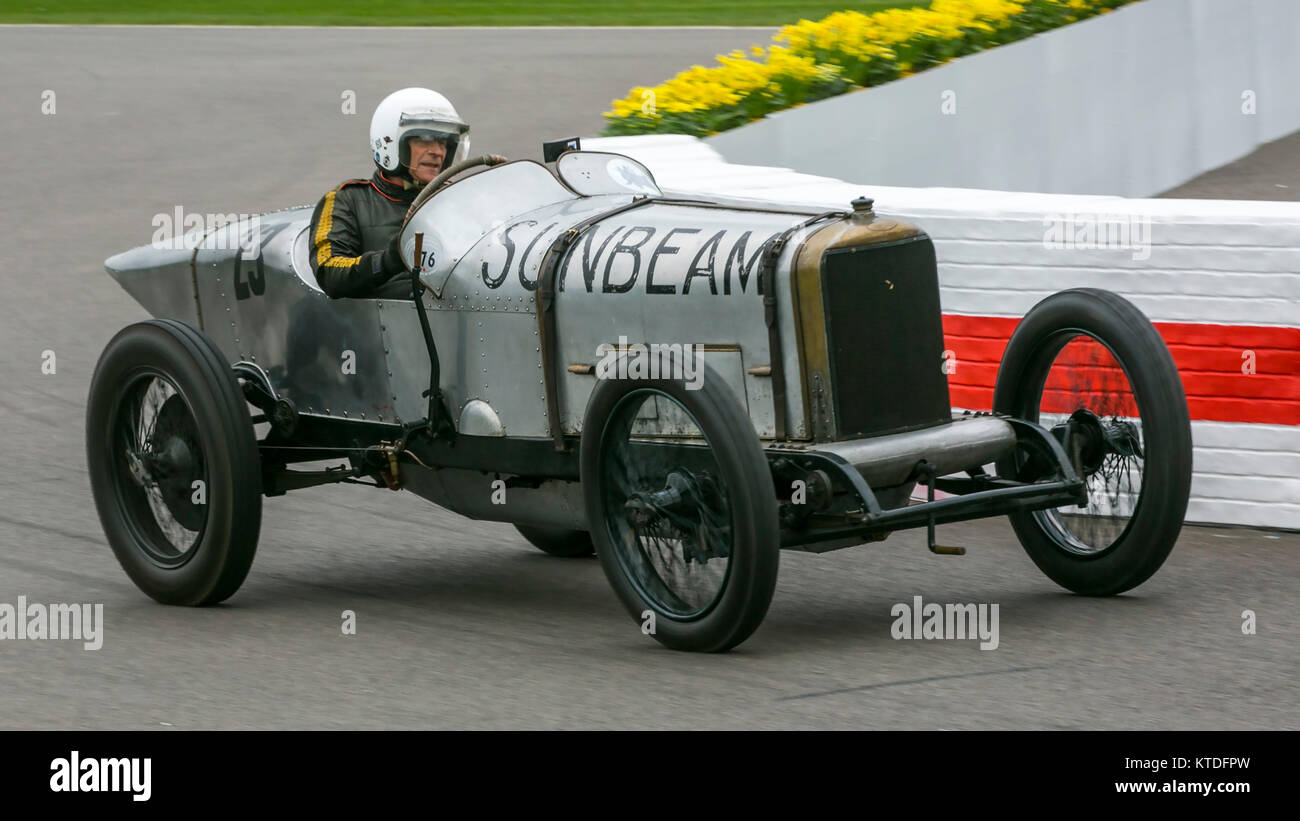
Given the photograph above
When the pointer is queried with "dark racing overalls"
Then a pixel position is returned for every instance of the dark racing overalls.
(353, 253)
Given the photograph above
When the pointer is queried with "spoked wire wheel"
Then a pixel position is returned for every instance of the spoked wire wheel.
(1088, 404)
(173, 463)
(682, 509)
(1091, 368)
(665, 506)
(161, 472)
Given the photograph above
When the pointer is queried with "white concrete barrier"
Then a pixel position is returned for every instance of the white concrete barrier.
(1131, 103)
(1221, 279)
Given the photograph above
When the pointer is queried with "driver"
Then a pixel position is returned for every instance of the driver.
(355, 229)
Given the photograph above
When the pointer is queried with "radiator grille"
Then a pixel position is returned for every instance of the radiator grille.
(884, 338)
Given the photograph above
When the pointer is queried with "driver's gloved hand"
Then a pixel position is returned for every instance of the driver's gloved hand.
(392, 262)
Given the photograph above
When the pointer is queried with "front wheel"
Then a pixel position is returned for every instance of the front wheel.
(173, 463)
(1090, 367)
(682, 509)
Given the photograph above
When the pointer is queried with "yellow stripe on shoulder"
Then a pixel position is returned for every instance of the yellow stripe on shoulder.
(324, 252)
(321, 240)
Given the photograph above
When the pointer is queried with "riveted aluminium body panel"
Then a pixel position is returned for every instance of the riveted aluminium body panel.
(677, 275)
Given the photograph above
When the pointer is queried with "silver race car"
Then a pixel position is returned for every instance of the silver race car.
(683, 386)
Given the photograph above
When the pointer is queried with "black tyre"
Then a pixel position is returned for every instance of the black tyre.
(682, 509)
(1090, 367)
(173, 463)
(558, 541)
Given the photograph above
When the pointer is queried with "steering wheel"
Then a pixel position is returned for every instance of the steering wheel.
(442, 179)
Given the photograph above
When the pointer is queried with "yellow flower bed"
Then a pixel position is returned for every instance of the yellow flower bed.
(845, 51)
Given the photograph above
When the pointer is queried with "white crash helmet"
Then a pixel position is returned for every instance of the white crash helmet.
(416, 112)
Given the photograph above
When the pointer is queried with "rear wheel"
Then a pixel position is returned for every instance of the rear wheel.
(558, 541)
(1090, 367)
(173, 463)
(682, 509)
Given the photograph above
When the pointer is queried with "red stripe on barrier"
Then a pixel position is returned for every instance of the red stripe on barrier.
(1231, 373)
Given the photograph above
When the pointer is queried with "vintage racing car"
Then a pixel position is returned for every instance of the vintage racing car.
(685, 386)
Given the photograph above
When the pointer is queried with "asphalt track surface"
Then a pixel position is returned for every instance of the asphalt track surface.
(462, 624)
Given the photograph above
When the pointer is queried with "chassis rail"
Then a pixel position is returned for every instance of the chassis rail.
(296, 438)
(978, 496)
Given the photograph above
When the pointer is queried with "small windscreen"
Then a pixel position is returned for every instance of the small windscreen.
(598, 172)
